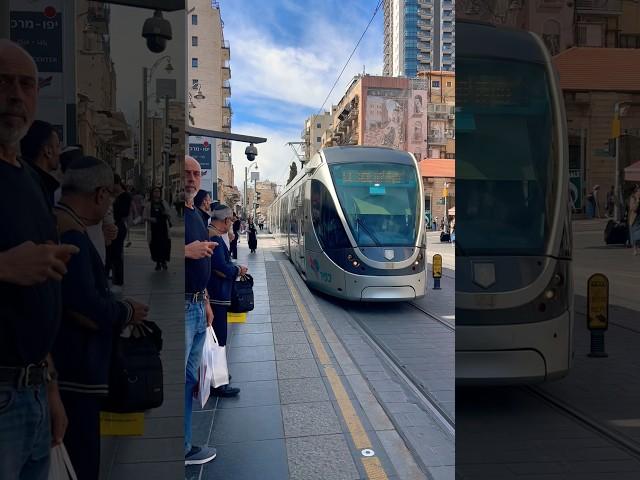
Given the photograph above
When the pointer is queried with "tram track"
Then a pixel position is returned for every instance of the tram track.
(449, 325)
(422, 394)
(613, 436)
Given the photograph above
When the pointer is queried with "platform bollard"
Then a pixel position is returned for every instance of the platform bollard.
(597, 313)
(437, 271)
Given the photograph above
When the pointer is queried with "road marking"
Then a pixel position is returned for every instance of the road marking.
(372, 465)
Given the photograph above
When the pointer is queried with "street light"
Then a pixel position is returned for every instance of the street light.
(619, 110)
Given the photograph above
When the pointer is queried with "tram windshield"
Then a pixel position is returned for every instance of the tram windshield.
(379, 201)
(506, 157)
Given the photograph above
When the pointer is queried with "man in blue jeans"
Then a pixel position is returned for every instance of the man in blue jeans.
(197, 311)
(32, 417)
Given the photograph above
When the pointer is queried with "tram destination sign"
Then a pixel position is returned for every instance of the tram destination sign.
(598, 302)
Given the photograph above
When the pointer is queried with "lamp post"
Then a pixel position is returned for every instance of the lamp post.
(147, 74)
(619, 111)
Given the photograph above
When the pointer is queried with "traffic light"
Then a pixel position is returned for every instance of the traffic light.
(175, 138)
(258, 196)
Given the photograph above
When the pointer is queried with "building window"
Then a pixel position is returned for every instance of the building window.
(194, 19)
(435, 84)
(449, 84)
(194, 62)
(318, 125)
(318, 139)
(194, 41)
(194, 83)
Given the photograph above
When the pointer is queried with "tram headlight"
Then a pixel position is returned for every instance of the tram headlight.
(549, 294)
(355, 263)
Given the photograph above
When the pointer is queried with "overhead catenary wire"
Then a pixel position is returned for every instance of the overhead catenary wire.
(350, 56)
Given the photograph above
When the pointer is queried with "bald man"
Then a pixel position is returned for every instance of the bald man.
(197, 310)
(31, 267)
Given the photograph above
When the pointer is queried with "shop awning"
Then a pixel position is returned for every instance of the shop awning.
(632, 172)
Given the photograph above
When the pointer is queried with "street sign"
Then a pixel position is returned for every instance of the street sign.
(597, 302)
(437, 266)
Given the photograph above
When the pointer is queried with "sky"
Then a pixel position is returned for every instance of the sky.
(285, 57)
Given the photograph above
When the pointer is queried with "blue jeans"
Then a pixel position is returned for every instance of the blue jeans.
(25, 433)
(195, 319)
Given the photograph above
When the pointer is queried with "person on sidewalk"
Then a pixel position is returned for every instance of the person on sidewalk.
(197, 311)
(202, 202)
(158, 214)
(223, 273)
(633, 218)
(41, 148)
(32, 264)
(91, 317)
(115, 251)
(252, 236)
(236, 236)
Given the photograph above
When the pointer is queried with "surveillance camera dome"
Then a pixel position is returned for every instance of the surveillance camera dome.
(157, 30)
(251, 152)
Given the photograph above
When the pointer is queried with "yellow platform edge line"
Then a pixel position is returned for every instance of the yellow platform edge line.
(372, 466)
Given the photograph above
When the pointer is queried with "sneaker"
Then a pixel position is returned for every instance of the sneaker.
(225, 391)
(200, 455)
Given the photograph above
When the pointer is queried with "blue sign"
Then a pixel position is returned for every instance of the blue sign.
(41, 36)
(202, 154)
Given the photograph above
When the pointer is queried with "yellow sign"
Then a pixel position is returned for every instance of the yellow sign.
(236, 317)
(445, 192)
(598, 302)
(615, 127)
(121, 424)
(437, 266)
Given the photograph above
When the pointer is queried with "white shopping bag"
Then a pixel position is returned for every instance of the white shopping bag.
(206, 368)
(219, 359)
(60, 467)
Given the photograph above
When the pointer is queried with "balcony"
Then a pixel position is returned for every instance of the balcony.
(599, 7)
(226, 89)
(424, 58)
(225, 145)
(424, 47)
(99, 17)
(424, 36)
(226, 51)
(447, 27)
(226, 110)
(436, 140)
(226, 71)
(226, 123)
(425, 13)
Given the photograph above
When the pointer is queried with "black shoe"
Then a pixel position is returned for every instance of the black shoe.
(164, 265)
(225, 391)
(158, 267)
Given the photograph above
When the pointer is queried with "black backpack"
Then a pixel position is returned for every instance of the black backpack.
(135, 377)
(242, 295)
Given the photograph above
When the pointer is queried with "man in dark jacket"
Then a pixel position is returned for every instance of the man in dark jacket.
(223, 273)
(41, 148)
(115, 250)
(92, 317)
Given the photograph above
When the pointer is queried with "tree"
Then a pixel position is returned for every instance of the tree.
(293, 171)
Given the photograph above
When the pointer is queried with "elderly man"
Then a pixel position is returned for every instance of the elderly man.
(31, 267)
(91, 314)
(197, 311)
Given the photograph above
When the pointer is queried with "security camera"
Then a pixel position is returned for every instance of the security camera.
(157, 31)
(251, 152)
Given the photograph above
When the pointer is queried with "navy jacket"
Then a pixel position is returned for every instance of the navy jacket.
(223, 274)
(91, 319)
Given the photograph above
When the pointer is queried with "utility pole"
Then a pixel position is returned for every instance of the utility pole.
(143, 127)
(246, 199)
(167, 149)
(255, 198)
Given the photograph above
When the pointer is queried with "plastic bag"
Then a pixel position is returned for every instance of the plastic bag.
(206, 368)
(60, 467)
(219, 360)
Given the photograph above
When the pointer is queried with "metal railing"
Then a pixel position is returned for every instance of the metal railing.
(599, 6)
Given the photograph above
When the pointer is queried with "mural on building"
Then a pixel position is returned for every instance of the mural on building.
(386, 123)
(418, 123)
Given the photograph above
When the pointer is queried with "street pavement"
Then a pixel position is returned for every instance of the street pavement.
(159, 453)
(529, 433)
(314, 391)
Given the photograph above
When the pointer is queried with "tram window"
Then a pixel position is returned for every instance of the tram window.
(325, 218)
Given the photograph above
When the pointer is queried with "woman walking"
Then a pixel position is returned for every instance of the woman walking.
(158, 214)
(252, 236)
(634, 219)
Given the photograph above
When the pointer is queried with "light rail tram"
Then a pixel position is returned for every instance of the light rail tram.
(514, 290)
(352, 224)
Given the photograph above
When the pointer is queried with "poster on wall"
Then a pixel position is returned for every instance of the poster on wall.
(203, 150)
(386, 118)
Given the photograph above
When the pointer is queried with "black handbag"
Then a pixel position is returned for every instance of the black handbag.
(135, 377)
(242, 295)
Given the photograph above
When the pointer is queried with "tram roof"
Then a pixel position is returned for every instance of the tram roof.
(480, 39)
(359, 153)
